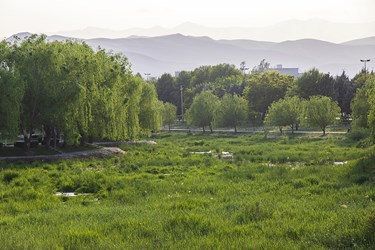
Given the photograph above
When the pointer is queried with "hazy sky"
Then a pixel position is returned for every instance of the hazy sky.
(55, 15)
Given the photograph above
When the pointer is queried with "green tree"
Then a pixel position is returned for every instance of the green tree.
(264, 88)
(150, 110)
(321, 111)
(84, 94)
(232, 111)
(202, 111)
(343, 92)
(370, 85)
(285, 112)
(169, 114)
(360, 108)
(167, 89)
(11, 92)
(312, 83)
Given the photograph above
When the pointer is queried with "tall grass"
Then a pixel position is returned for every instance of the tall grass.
(284, 193)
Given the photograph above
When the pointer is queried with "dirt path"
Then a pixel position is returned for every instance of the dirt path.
(99, 153)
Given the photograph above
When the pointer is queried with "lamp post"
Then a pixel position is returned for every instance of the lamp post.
(365, 61)
(182, 104)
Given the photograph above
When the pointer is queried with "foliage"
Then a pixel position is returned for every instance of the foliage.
(150, 116)
(11, 92)
(343, 92)
(168, 90)
(202, 111)
(285, 112)
(169, 114)
(321, 111)
(69, 88)
(232, 111)
(360, 108)
(264, 88)
(371, 100)
(313, 83)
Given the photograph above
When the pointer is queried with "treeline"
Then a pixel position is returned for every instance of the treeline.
(67, 87)
(264, 95)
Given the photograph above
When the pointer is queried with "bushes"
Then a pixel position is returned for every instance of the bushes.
(358, 134)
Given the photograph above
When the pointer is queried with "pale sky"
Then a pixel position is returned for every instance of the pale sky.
(48, 16)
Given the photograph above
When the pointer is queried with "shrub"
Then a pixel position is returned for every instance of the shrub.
(358, 134)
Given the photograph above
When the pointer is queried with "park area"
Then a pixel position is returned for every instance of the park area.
(197, 191)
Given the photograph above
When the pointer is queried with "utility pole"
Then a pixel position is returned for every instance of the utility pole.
(365, 61)
(182, 104)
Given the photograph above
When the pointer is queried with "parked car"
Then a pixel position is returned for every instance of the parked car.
(34, 142)
(59, 140)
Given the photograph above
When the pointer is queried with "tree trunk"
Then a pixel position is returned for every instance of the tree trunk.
(27, 142)
(203, 129)
(54, 137)
(324, 131)
(235, 129)
(281, 129)
(47, 137)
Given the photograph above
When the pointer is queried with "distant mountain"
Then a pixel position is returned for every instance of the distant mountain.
(363, 41)
(171, 53)
(287, 30)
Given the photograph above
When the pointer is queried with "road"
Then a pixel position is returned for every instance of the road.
(252, 131)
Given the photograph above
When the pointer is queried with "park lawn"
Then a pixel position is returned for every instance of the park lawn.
(281, 193)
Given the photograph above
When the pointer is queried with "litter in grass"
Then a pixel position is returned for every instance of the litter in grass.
(337, 163)
(222, 155)
(70, 194)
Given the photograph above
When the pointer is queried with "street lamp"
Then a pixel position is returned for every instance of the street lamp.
(365, 61)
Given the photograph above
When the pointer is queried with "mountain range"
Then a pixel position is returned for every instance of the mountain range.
(287, 30)
(177, 52)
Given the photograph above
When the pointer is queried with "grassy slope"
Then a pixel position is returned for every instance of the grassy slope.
(275, 194)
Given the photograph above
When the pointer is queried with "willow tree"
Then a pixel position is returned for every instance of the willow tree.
(11, 92)
(34, 60)
(202, 111)
(150, 110)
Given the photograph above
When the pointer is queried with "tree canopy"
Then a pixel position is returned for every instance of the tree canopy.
(67, 87)
(321, 111)
(202, 111)
(264, 88)
(232, 111)
(285, 112)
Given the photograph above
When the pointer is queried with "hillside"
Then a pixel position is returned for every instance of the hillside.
(177, 52)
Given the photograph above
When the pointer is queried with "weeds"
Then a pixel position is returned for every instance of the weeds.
(284, 193)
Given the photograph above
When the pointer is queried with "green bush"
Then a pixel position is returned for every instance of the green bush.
(358, 134)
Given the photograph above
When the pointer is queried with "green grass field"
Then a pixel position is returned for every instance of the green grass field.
(280, 193)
